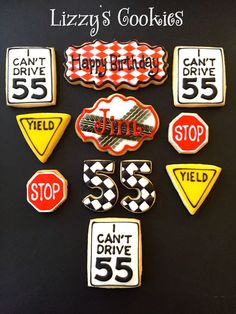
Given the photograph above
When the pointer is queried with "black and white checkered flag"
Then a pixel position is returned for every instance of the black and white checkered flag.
(95, 177)
(132, 178)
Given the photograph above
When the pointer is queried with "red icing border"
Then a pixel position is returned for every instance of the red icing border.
(107, 147)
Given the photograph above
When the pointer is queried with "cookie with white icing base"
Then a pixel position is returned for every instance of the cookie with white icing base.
(31, 77)
(117, 124)
(199, 78)
(116, 65)
(114, 254)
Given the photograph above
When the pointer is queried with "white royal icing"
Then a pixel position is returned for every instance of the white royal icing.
(121, 239)
(29, 63)
(200, 63)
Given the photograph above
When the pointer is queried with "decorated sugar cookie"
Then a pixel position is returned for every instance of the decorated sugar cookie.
(199, 78)
(30, 76)
(114, 253)
(193, 182)
(132, 177)
(116, 65)
(188, 133)
(42, 131)
(95, 176)
(117, 124)
(46, 190)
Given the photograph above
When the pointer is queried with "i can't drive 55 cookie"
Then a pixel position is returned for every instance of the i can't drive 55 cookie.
(199, 78)
(114, 253)
(30, 77)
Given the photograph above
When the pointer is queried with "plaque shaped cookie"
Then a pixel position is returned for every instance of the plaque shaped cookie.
(193, 182)
(114, 253)
(30, 76)
(117, 124)
(116, 65)
(199, 78)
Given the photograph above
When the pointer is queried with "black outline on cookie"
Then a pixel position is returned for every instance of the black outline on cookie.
(138, 254)
(41, 154)
(194, 206)
(53, 79)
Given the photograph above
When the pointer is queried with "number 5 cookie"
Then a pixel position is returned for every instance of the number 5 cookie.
(30, 76)
(199, 77)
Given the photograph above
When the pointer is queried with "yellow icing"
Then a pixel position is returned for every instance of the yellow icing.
(193, 182)
(42, 131)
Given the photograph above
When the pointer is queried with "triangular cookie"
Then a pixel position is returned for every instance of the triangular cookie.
(193, 182)
(42, 131)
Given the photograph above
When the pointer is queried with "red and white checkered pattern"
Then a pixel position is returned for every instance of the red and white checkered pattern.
(98, 49)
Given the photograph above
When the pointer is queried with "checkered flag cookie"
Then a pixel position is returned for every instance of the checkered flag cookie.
(95, 177)
(132, 178)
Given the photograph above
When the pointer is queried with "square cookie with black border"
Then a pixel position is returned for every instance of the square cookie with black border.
(114, 253)
(199, 78)
(30, 77)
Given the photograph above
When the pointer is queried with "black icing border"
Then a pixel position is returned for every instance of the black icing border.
(188, 104)
(18, 104)
(176, 169)
(28, 136)
(138, 251)
(124, 84)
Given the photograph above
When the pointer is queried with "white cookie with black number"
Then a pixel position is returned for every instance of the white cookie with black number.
(199, 78)
(30, 77)
(114, 253)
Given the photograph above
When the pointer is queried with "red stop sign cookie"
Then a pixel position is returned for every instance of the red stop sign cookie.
(46, 190)
(188, 133)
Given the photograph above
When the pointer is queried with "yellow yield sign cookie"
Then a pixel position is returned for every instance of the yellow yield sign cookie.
(193, 182)
(42, 131)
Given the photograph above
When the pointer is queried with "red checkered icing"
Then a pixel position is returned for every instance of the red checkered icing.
(99, 64)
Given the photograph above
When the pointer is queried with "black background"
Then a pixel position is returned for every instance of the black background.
(188, 261)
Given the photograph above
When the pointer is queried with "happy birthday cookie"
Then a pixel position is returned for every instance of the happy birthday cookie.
(46, 190)
(114, 253)
(117, 124)
(199, 78)
(116, 65)
(193, 182)
(42, 131)
(30, 76)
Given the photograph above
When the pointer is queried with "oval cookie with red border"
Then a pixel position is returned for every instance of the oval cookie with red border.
(117, 124)
(117, 65)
